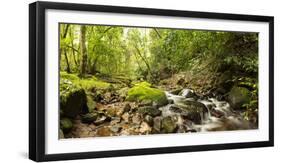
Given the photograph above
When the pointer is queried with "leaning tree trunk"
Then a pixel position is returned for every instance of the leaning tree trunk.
(83, 51)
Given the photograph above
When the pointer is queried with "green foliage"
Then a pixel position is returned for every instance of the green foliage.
(143, 91)
(148, 53)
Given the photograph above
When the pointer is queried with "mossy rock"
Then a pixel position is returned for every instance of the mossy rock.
(191, 110)
(91, 104)
(89, 117)
(72, 98)
(239, 96)
(168, 125)
(149, 110)
(176, 91)
(144, 91)
(66, 124)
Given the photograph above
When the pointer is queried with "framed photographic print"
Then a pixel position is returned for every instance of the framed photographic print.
(117, 81)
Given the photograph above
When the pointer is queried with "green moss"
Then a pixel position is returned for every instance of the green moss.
(66, 124)
(73, 92)
(90, 103)
(85, 83)
(168, 125)
(92, 82)
(143, 91)
(144, 84)
(72, 96)
(65, 75)
(239, 96)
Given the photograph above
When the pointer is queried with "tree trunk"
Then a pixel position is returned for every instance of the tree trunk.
(83, 51)
(73, 53)
(144, 60)
(67, 63)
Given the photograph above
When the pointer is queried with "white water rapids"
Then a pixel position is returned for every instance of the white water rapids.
(218, 117)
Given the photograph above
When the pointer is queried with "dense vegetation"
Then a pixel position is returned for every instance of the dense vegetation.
(111, 77)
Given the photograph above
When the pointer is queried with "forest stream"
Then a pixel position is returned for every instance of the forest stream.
(184, 112)
(216, 115)
(121, 81)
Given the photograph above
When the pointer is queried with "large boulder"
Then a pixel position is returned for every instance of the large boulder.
(144, 91)
(191, 110)
(238, 96)
(72, 98)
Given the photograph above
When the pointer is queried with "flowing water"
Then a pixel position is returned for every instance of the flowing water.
(218, 115)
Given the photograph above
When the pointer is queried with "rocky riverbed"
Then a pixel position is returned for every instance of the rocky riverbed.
(184, 111)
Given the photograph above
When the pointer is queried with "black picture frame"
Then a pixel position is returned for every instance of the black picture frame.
(37, 80)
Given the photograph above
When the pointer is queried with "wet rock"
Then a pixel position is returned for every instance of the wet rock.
(66, 124)
(187, 93)
(149, 110)
(148, 119)
(216, 113)
(100, 119)
(194, 106)
(238, 96)
(194, 116)
(192, 110)
(210, 105)
(170, 101)
(176, 91)
(89, 117)
(157, 124)
(175, 109)
(168, 125)
(103, 131)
